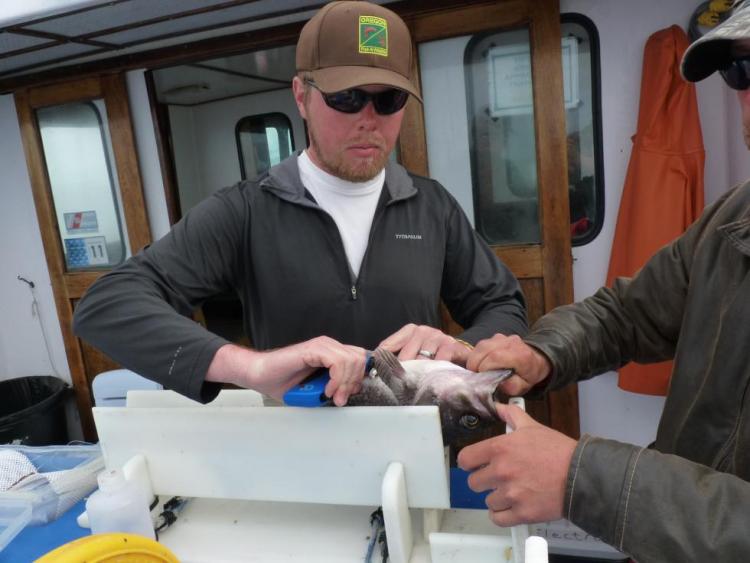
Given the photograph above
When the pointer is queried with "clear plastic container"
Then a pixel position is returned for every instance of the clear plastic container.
(15, 513)
(119, 506)
(54, 477)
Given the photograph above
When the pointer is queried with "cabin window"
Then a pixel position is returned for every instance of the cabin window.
(495, 177)
(78, 156)
(263, 141)
(502, 142)
(584, 131)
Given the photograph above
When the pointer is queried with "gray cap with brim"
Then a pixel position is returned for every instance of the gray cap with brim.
(712, 52)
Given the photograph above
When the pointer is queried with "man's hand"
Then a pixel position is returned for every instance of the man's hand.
(510, 352)
(525, 470)
(425, 342)
(276, 371)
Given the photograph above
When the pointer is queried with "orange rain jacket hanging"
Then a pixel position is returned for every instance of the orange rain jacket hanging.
(663, 191)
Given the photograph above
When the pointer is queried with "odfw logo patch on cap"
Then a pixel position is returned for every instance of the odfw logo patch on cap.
(373, 35)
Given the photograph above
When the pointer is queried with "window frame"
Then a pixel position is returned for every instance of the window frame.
(596, 113)
(264, 116)
(114, 189)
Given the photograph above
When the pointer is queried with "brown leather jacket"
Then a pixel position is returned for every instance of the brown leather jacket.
(688, 497)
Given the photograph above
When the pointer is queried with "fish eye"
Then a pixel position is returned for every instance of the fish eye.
(469, 420)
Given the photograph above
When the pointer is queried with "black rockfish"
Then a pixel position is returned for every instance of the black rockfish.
(465, 399)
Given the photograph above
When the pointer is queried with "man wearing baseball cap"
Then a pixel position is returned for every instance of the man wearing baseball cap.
(334, 251)
(686, 498)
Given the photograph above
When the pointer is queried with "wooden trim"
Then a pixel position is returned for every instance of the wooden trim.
(412, 143)
(128, 171)
(565, 401)
(553, 188)
(76, 283)
(464, 20)
(87, 89)
(551, 150)
(525, 261)
(40, 188)
(160, 117)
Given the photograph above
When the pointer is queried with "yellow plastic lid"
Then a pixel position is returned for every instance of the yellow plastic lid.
(110, 548)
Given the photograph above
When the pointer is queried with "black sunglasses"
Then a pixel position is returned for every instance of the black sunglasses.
(737, 74)
(354, 100)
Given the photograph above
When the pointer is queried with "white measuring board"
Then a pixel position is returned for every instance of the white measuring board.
(318, 455)
(140, 398)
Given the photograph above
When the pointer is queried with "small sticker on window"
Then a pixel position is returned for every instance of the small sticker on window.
(86, 251)
(81, 222)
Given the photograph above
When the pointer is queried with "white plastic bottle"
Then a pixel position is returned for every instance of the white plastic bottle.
(536, 550)
(119, 506)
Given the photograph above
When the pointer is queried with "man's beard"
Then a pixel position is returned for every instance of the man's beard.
(359, 170)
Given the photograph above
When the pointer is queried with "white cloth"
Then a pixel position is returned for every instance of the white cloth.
(350, 204)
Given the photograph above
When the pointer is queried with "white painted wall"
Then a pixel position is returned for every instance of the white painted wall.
(187, 169)
(22, 348)
(204, 138)
(145, 139)
(623, 29)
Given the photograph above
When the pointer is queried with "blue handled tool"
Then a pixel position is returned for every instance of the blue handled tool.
(311, 391)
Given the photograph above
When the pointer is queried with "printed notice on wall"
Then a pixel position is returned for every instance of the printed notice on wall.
(81, 222)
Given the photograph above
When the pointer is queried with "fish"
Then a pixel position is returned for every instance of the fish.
(465, 399)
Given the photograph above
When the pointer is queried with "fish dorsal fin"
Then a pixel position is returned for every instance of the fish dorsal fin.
(387, 365)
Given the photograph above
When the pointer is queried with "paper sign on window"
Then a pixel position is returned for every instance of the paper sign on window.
(510, 78)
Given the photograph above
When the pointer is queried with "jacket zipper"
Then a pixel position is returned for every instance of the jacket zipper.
(379, 210)
(352, 279)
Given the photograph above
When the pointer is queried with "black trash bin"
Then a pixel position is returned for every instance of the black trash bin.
(32, 411)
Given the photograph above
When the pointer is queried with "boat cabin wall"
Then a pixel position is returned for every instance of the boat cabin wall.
(623, 29)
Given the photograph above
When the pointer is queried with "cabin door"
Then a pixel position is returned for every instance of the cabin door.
(492, 130)
(81, 157)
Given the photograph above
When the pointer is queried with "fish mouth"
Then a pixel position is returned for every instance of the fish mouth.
(494, 393)
(498, 396)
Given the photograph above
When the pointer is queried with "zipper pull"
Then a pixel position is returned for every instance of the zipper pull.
(354, 293)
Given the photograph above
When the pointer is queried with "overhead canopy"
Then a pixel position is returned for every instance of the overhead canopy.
(41, 35)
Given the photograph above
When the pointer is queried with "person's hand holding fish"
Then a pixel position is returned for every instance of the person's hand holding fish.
(529, 365)
(526, 470)
(276, 371)
(425, 342)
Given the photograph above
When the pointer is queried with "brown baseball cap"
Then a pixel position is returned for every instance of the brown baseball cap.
(356, 43)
